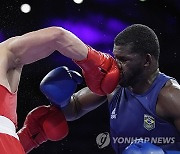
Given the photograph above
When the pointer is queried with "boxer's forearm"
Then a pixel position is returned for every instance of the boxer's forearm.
(70, 45)
(72, 111)
(81, 103)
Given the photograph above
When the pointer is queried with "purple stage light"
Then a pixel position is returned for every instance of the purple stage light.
(116, 25)
(93, 31)
(87, 33)
(1, 37)
(97, 31)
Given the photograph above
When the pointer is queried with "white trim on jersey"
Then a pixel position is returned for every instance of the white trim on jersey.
(8, 127)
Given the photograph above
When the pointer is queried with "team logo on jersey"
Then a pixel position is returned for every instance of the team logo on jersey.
(113, 114)
(149, 122)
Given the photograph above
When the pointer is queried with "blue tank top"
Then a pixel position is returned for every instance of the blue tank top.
(134, 116)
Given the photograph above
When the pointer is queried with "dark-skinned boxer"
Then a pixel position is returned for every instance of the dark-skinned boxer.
(145, 103)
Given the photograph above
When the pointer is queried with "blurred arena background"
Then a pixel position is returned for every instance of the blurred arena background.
(96, 22)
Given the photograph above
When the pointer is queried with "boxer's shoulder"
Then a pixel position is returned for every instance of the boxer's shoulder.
(170, 88)
(168, 104)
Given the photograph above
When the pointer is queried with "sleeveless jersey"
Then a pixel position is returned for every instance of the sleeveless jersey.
(8, 104)
(134, 116)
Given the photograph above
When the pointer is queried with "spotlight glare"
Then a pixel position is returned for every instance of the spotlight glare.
(25, 8)
(142, 0)
(78, 1)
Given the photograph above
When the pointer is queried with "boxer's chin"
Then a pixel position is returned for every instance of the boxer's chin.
(123, 82)
(126, 80)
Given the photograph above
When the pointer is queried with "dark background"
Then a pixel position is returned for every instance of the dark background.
(96, 22)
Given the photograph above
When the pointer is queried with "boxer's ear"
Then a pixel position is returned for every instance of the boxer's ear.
(147, 60)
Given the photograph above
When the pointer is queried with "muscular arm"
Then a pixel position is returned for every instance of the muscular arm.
(168, 105)
(81, 103)
(36, 45)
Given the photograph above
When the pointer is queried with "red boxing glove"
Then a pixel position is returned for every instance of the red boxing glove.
(101, 72)
(42, 123)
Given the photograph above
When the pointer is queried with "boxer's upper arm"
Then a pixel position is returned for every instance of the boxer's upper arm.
(170, 103)
(174, 95)
(81, 103)
(38, 44)
(32, 46)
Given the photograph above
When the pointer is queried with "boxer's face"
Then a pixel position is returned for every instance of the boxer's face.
(130, 63)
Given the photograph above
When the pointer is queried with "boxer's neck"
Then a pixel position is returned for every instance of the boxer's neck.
(144, 83)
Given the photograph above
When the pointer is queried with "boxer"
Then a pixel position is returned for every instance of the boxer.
(144, 101)
(15, 53)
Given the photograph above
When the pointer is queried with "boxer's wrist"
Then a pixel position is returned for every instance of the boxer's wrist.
(92, 60)
(26, 140)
